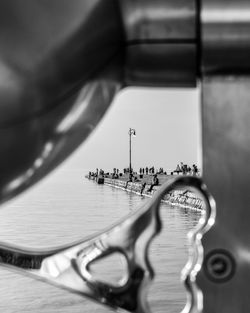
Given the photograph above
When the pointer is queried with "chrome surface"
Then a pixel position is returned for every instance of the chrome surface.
(62, 62)
(161, 42)
(225, 36)
(160, 20)
(57, 58)
(60, 67)
(226, 154)
(69, 267)
(33, 148)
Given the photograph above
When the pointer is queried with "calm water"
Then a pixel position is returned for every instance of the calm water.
(68, 207)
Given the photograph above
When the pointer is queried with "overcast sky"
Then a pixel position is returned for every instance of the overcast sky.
(167, 124)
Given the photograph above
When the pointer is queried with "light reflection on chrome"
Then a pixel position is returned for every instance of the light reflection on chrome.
(69, 267)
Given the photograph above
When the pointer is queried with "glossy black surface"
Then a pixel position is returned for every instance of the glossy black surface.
(161, 41)
(60, 67)
(225, 36)
(61, 64)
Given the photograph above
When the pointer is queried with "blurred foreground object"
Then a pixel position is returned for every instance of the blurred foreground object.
(61, 64)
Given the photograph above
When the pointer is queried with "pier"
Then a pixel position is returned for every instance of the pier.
(142, 187)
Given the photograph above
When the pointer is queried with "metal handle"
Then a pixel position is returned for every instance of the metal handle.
(57, 78)
(68, 267)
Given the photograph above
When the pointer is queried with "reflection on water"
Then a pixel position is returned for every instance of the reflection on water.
(67, 208)
(168, 255)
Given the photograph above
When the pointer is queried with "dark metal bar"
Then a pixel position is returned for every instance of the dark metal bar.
(226, 155)
(161, 42)
(225, 29)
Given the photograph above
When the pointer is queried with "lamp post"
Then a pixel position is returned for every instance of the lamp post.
(131, 133)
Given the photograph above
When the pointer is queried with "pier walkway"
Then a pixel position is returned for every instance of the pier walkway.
(142, 187)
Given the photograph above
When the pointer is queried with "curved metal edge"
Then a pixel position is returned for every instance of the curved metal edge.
(55, 135)
(68, 267)
(196, 252)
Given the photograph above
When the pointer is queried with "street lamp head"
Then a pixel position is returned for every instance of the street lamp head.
(132, 132)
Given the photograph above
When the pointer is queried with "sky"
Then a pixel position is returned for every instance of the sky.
(167, 124)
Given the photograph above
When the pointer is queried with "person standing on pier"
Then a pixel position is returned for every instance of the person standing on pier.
(178, 169)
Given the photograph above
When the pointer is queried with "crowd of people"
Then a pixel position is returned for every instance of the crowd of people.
(98, 172)
(181, 168)
(185, 169)
(151, 170)
(147, 170)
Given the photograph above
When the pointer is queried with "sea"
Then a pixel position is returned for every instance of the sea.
(67, 207)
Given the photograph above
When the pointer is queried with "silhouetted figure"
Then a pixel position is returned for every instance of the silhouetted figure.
(155, 182)
(184, 169)
(143, 187)
(101, 172)
(178, 169)
(130, 177)
(194, 170)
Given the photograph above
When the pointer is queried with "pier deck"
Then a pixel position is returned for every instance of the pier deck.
(183, 198)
